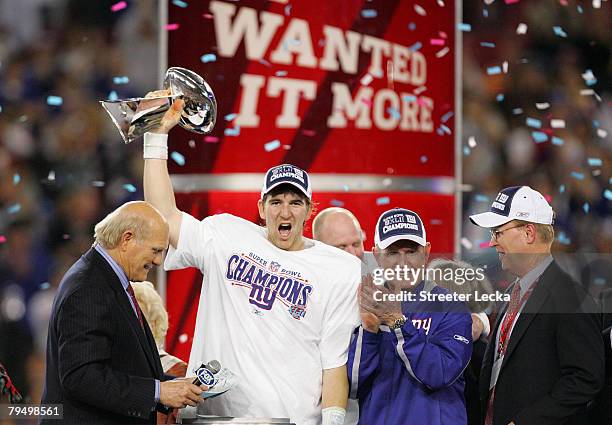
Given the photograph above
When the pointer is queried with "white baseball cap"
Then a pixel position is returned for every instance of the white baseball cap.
(516, 203)
(399, 224)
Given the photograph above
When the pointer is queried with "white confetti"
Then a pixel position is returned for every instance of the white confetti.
(472, 142)
(366, 79)
(542, 106)
(521, 29)
(418, 9)
(183, 338)
(465, 242)
(556, 123)
(602, 133)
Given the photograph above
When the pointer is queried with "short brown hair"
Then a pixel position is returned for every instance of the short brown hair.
(545, 232)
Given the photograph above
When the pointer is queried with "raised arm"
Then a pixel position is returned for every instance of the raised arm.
(157, 185)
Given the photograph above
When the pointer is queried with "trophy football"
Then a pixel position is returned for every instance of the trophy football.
(134, 117)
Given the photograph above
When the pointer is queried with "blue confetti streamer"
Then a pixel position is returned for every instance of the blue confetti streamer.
(416, 46)
(369, 13)
(481, 198)
(500, 97)
(487, 44)
(180, 3)
(577, 175)
(533, 122)
(563, 239)
(272, 145)
(14, 209)
(232, 131)
(517, 111)
(336, 203)
(493, 70)
(557, 141)
(445, 129)
(447, 116)
(383, 200)
(0, 108)
(393, 112)
(608, 194)
(464, 27)
(586, 207)
(559, 32)
(411, 26)
(121, 80)
(230, 117)
(178, 158)
(113, 95)
(423, 159)
(595, 162)
(562, 188)
(129, 187)
(54, 100)
(485, 12)
(281, 73)
(265, 62)
(539, 136)
(409, 98)
(208, 57)
(16, 179)
(44, 285)
(466, 150)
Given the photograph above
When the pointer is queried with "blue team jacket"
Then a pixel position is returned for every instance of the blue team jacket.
(413, 375)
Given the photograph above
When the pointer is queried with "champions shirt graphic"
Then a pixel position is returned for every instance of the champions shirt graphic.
(268, 282)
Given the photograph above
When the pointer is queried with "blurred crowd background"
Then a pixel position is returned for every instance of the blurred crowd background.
(63, 167)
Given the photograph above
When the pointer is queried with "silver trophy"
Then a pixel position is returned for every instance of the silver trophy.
(134, 117)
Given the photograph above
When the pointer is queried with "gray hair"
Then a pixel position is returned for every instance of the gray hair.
(108, 231)
(446, 274)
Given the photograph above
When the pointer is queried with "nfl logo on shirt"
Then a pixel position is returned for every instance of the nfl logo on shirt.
(297, 312)
(274, 266)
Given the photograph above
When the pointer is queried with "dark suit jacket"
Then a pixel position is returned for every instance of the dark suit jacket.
(101, 365)
(602, 413)
(554, 364)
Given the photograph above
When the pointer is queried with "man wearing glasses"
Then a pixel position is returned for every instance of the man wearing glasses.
(545, 360)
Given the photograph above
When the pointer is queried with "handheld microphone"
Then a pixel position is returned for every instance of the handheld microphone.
(205, 374)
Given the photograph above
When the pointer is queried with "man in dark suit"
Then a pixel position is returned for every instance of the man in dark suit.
(545, 360)
(102, 362)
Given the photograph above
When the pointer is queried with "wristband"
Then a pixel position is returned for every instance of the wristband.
(155, 146)
(333, 415)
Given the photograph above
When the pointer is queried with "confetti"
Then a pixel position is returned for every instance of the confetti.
(542, 106)
(423, 159)
(512, 1)
(409, 98)
(232, 131)
(579, 9)
(418, 9)
(465, 242)
(557, 141)
(16, 179)
(387, 182)
(505, 67)
(472, 142)
(539, 136)
(113, 95)
(435, 221)
(596, 4)
(14, 209)
(384, 200)
(445, 129)
(183, 338)
(129, 187)
(178, 158)
(265, 62)
(192, 143)
(272, 145)
(121, 80)
(595, 162)
(562, 188)
(230, 117)
(559, 32)
(608, 194)
(466, 151)
(180, 3)
(2, 239)
(602, 133)
(54, 100)
(288, 10)
(587, 92)
(437, 42)
(517, 111)
(464, 27)
(98, 183)
(281, 73)
(336, 203)
(493, 70)
(481, 198)
(418, 91)
(487, 44)
(211, 139)
(393, 112)
(447, 116)
(309, 133)
(563, 239)
(208, 57)
(442, 52)
(51, 176)
(499, 97)
(556, 123)
(0, 108)
(521, 29)
(485, 12)
(44, 285)
(171, 27)
(586, 207)
(577, 175)
(416, 46)
(366, 79)
(589, 78)
(118, 6)
(369, 13)
(411, 26)
(533, 122)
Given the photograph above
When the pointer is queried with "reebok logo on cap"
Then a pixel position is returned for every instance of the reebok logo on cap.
(287, 173)
(516, 203)
(399, 224)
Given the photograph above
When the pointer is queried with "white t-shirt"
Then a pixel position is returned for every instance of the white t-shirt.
(275, 318)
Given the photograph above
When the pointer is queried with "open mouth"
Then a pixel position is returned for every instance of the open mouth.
(284, 230)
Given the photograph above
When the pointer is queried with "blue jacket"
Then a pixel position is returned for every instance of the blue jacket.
(414, 374)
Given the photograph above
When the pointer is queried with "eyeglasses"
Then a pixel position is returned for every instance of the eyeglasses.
(497, 233)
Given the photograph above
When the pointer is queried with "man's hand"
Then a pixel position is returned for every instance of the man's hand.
(374, 312)
(477, 327)
(180, 393)
(172, 115)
